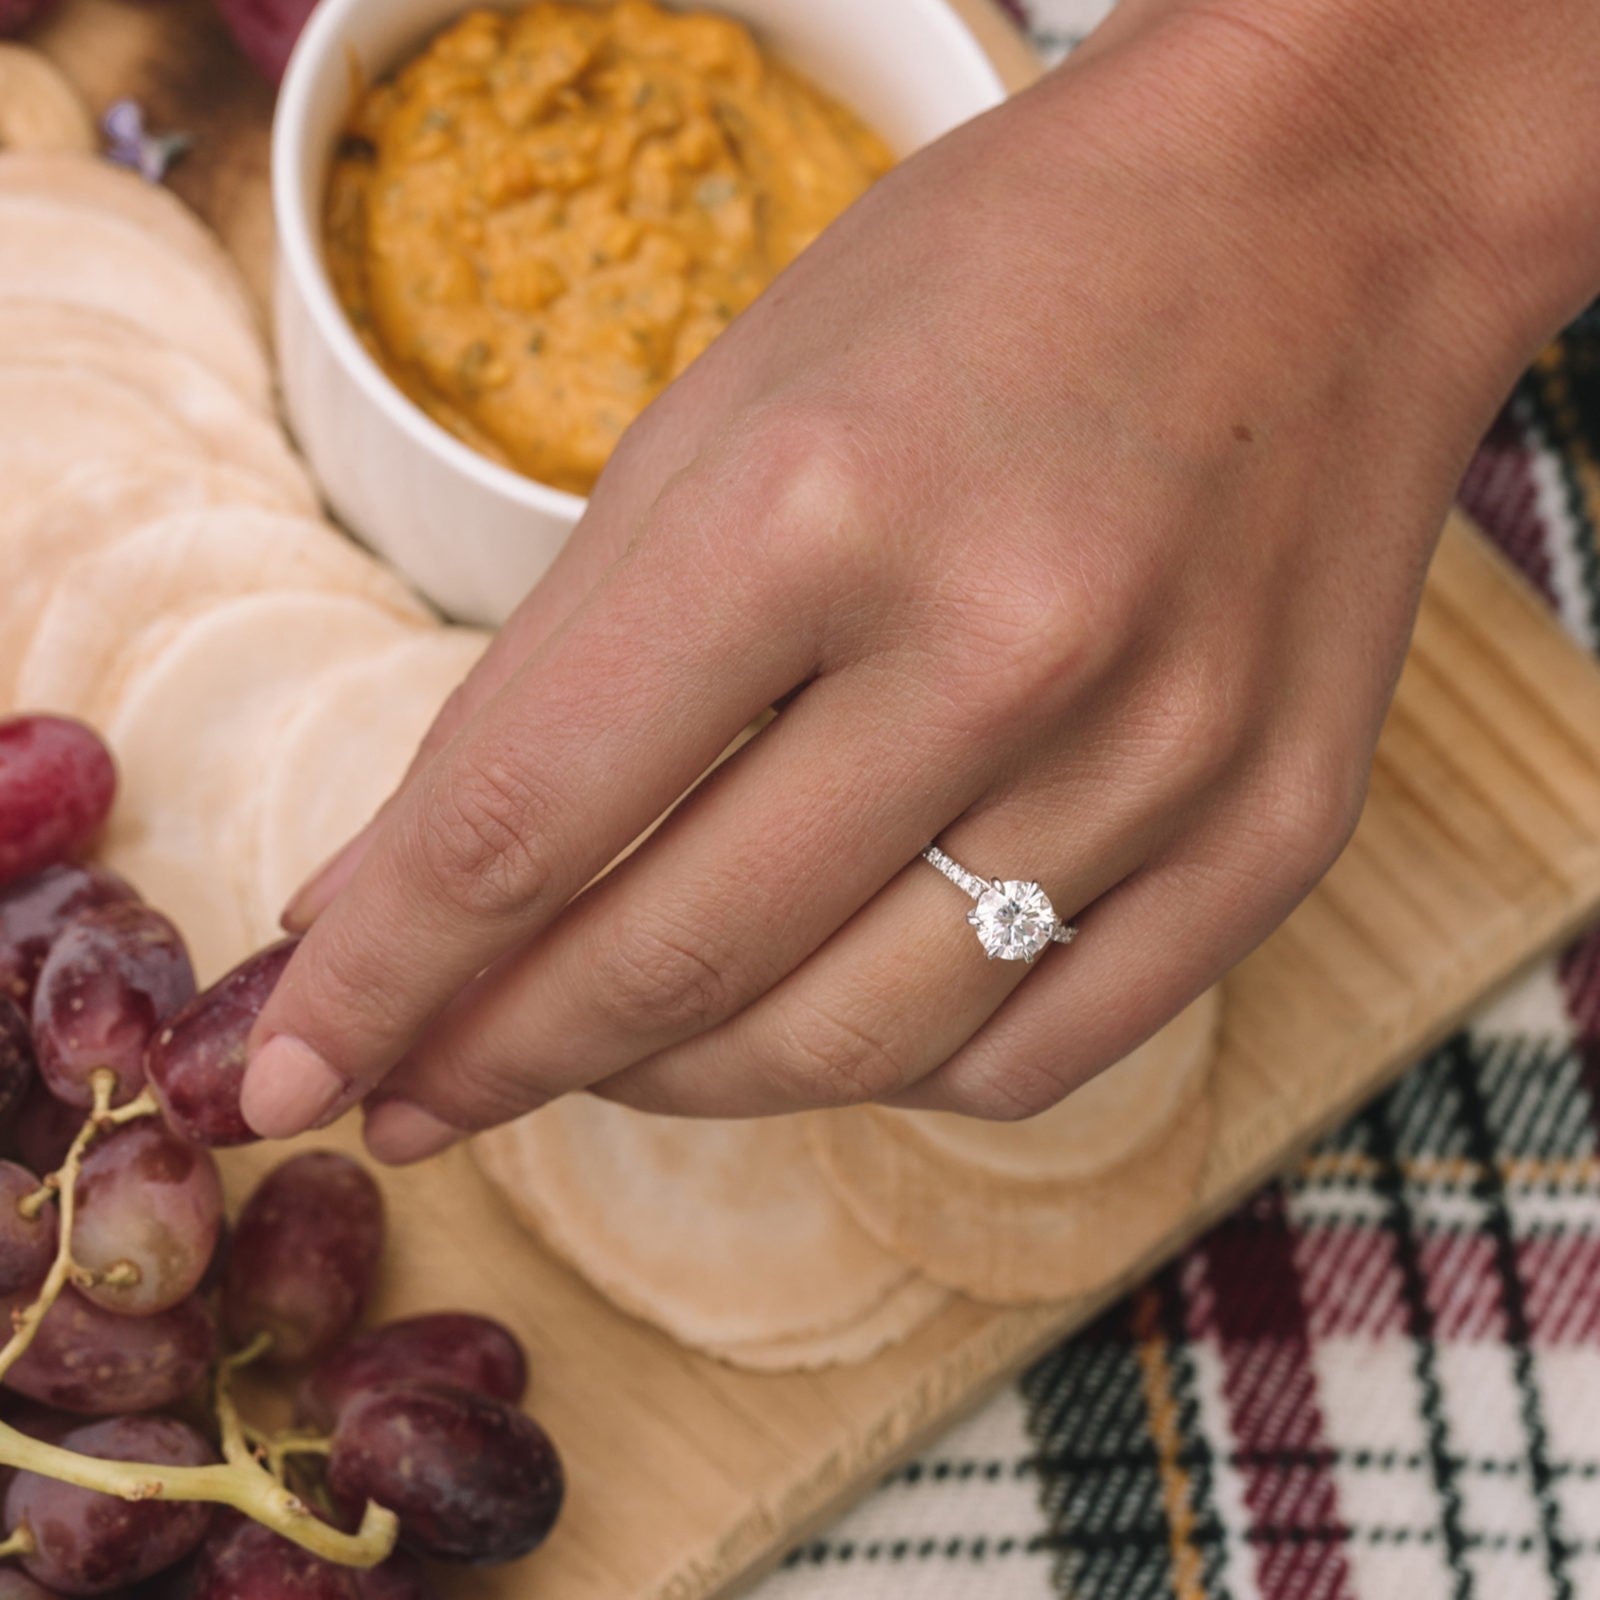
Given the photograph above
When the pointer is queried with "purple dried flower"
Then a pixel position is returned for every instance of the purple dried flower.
(129, 144)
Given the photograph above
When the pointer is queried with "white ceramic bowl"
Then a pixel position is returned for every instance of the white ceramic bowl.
(473, 535)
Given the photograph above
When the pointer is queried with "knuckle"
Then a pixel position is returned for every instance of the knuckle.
(1310, 809)
(824, 1058)
(1200, 729)
(655, 980)
(809, 472)
(820, 479)
(1036, 641)
(474, 849)
(776, 508)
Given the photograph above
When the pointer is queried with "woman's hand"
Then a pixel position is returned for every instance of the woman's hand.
(1072, 496)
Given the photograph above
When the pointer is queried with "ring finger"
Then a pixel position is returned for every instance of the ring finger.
(894, 994)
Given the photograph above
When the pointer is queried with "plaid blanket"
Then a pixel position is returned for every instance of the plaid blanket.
(1381, 1377)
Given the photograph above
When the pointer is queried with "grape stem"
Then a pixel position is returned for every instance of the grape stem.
(21, 1543)
(64, 1184)
(240, 1481)
(285, 1445)
(245, 1486)
(235, 1446)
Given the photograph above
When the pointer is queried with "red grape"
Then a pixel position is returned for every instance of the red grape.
(44, 1129)
(196, 1063)
(27, 1245)
(92, 1543)
(34, 910)
(147, 1198)
(16, 1058)
(399, 1578)
(176, 1583)
(112, 977)
(449, 1347)
(15, 15)
(471, 1479)
(304, 1256)
(266, 30)
(38, 1422)
(19, 1586)
(92, 1361)
(241, 1560)
(57, 781)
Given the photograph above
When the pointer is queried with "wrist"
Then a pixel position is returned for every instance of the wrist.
(1436, 168)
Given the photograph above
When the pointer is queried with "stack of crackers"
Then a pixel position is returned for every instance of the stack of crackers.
(805, 1241)
(169, 575)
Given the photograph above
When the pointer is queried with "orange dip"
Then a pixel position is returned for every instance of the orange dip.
(545, 217)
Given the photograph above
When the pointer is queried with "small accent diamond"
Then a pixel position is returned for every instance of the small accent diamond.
(1014, 921)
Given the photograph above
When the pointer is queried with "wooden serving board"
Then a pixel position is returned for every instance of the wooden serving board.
(1479, 850)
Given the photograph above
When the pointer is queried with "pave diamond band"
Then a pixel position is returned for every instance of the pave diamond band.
(1013, 918)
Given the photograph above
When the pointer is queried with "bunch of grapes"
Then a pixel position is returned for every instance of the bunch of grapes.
(129, 1293)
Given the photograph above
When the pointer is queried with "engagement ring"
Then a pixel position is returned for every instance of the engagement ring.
(1013, 920)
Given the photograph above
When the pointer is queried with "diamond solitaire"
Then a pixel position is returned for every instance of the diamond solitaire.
(1013, 919)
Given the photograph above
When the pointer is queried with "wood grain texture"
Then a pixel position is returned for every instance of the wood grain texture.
(1479, 850)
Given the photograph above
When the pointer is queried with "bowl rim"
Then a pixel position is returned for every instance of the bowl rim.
(300, 255)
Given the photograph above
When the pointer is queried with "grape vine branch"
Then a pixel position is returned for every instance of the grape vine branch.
(243, 1480)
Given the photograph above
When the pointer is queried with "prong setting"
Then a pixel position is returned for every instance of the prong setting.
(1013, 917)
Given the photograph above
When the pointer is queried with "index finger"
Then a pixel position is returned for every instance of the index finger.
(590, 740)
(647, 457)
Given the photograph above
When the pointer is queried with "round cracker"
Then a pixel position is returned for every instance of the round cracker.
(204, 406)
(102, 185)
(39, 109)
(89, 505)
(54, 418)
(89, 631)
(81, 255)
(199, 707)
(344, 754)
(40, 334)
(1001, 1241)
(906, 1309)
(721, 1233)
(56, 331)
(1098, 1127)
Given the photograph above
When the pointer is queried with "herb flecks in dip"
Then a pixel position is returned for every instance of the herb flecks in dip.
(545, 217)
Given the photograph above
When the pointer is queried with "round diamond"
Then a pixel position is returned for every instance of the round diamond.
(1013, 920)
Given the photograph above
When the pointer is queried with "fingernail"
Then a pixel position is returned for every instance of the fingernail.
(399, 1132)
(287, 1088)
(314, 896)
